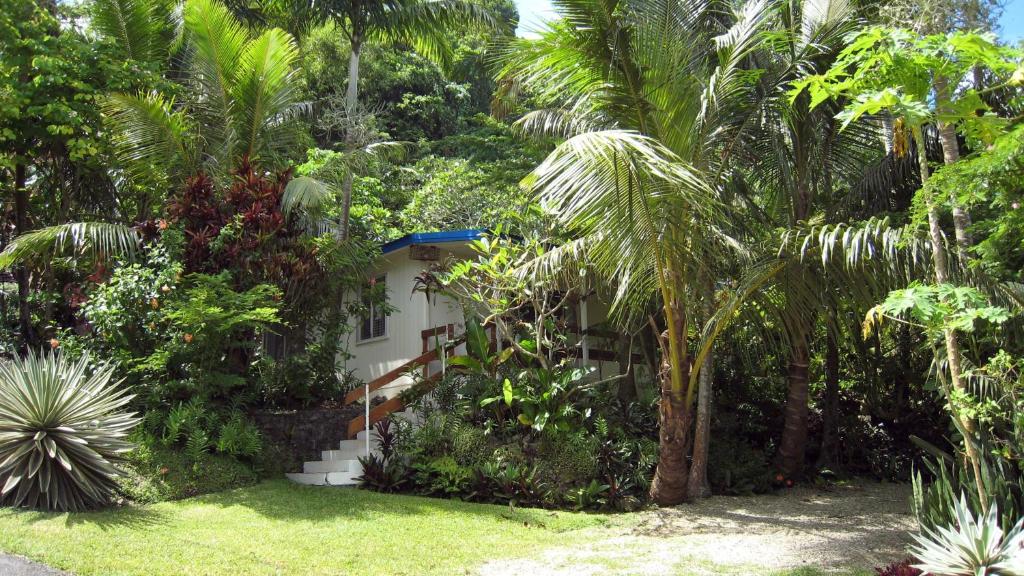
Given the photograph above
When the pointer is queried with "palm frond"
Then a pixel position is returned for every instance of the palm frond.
(74, 239)
(264, 89)
(427, 24)
(151, 138)
(216, 42)
(305, 194)
(142, 29)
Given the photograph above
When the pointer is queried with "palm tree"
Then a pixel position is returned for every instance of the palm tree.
(241, 101)
(796, 162)
(652, 95)
(426, 25)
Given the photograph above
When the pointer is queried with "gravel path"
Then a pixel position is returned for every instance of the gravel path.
(833, 530)
(18, 566)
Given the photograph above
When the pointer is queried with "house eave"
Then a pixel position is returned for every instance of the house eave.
(432, 238)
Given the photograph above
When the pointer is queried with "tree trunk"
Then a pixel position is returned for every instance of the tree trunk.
(21, 273)
(794, 434)
(346, 204)
(830, 415)
(698, 485)
(627, 381)
(352, 90)
(793, 445)
(953, 353)
(950, 154)
(675, 416)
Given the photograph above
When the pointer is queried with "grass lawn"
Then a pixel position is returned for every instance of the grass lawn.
(281, 528)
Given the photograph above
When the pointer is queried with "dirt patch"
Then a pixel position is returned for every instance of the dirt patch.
(832, 530)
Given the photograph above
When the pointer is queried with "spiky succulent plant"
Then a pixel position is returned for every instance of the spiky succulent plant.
(974, 547)
(62, 430)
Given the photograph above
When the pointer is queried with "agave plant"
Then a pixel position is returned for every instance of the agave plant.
(62, 430)
(975, 547)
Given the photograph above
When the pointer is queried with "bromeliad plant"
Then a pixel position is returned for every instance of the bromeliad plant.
(62, 432)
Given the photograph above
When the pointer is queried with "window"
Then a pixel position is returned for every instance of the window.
(376, 319)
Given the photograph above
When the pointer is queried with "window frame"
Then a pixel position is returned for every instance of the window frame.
(374, 313)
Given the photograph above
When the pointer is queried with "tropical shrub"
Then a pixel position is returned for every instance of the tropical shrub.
(383, 471)
(63, 429)
(973, 546)
(156, 473)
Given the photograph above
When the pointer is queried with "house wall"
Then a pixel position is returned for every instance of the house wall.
(410, 315)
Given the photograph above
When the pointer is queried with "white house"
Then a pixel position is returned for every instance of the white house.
(391, 343)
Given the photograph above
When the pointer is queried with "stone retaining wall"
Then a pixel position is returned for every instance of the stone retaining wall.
(302, 434)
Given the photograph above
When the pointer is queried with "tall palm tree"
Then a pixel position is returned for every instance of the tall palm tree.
(797, 161)
(426, 25)
(651, 95)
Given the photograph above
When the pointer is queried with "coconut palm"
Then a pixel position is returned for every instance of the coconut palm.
(651, 95)
(242, 100)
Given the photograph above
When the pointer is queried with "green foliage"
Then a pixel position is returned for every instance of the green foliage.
(441, 477)
(472, 180)
(155, 473)
(988, 183)
(736, 468)
(569, 456)
(937, 308)
(886, 69)
(971, 545)
(63, 430)
(244, 92)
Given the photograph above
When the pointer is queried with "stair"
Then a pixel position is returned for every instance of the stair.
(341, 467)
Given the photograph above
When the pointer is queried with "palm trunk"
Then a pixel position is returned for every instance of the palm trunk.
(698, 485)
(352, 90)
(830, 415)
(953, 354)
(346, 204)
(793, 445)
(21, 273)
(675, 418)
(627, 382)
(674, 414)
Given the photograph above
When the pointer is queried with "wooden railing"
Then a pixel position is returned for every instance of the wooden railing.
(395, 404)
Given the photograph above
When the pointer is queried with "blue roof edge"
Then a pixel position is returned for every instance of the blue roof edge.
(432, 238)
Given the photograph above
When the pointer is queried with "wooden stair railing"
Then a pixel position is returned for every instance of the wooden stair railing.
(385, 379)
(392, 405)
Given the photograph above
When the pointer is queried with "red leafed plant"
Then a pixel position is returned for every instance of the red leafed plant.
(901, 568)
(242, 230)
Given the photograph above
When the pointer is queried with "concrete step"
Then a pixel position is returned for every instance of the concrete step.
(346, 454)
(358, 445)
(308, 479)
(373, 435)
(328, 466)
(343, 478)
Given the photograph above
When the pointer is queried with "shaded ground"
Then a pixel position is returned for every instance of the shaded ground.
(18, 566)
(845, 530)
